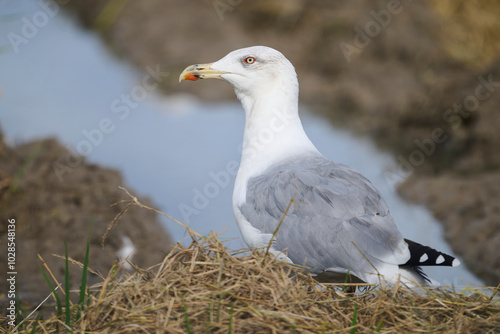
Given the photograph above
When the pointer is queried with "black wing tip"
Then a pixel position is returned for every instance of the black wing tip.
(421, 255)
(420, 272)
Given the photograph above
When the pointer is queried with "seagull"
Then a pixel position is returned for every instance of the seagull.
(310, 211)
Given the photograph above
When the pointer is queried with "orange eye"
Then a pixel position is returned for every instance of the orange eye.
(249, 60)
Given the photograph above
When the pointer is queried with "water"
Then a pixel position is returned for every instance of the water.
(180, 152)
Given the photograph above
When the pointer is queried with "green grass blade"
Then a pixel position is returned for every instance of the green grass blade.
(186, 318)
(66, 285)
(354, 319)
(379, 326)
(219, 305)
(53, 290)
(346, 279)
(230, 329)
(83, 285)
(209, 317)
(21, 310)
(35, 324)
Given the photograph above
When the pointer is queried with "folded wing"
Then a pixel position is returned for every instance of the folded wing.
(337, 221)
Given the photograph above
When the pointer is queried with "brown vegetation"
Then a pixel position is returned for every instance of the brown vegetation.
(205, 289)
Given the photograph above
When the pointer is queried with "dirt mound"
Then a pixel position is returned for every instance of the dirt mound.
(48, 209)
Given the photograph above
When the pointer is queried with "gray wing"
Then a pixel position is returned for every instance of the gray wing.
(333, 207)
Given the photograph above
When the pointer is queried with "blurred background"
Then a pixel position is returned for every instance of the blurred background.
(407, 93)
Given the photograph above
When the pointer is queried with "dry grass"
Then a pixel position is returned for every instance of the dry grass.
(204, 288)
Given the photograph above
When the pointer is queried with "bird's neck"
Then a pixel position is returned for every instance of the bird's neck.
(273, 132)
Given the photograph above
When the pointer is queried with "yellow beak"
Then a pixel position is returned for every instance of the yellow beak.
(200, 71)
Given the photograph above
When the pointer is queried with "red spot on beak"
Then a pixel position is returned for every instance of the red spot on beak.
(191, 76)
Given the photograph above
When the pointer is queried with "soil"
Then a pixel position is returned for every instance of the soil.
(48, 211)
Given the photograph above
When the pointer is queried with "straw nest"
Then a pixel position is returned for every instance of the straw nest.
(205, 288)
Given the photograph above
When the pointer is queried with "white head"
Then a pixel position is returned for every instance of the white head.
(266, 84)
(253, 72)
